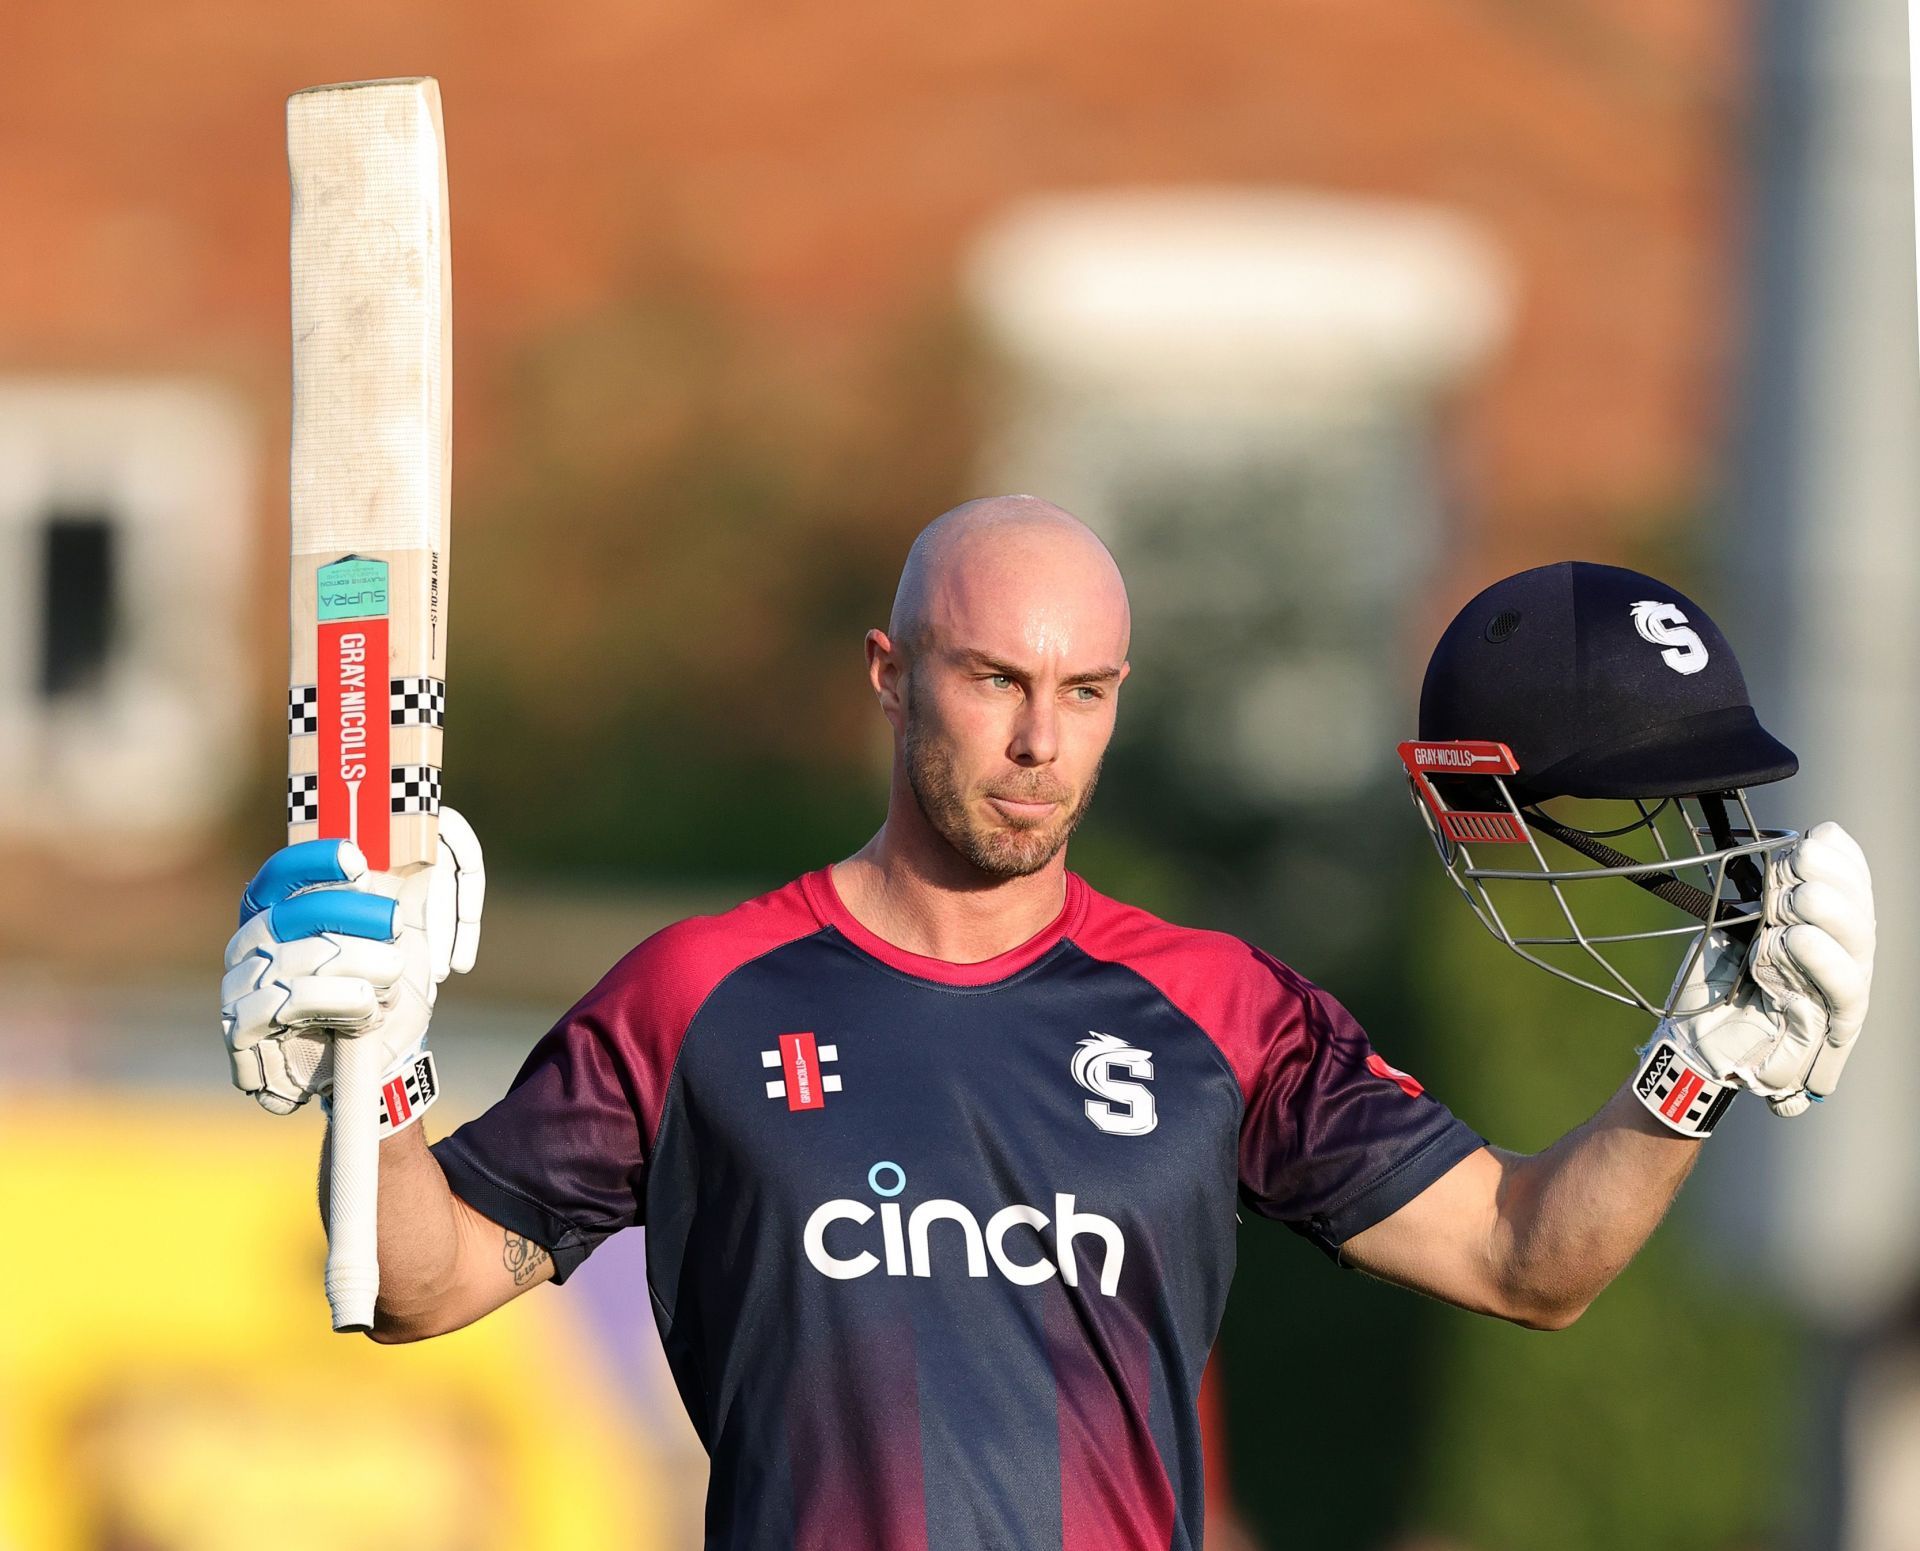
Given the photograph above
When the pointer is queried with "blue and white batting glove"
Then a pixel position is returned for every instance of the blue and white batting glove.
(328, 950)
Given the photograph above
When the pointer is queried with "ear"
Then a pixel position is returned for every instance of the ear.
(888, 675)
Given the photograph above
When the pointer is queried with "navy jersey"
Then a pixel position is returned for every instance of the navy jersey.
(937, 1251)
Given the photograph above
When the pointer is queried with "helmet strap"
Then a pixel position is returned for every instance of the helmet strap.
(1662, 885)
(1743, 871)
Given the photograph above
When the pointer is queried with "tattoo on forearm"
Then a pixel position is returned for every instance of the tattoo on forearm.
(523, 1258)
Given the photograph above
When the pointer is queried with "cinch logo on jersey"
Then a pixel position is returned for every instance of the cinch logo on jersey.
(906, 1237)
(1120, 1107)
(1664, 625)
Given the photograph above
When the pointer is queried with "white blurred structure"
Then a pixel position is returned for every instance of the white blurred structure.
(1826, 532)
(1226, 300)
(125, 542)
(1237, 390)
(1825, 550)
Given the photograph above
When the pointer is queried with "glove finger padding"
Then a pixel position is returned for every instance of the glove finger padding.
(443, 902)
(329, 1004)
(1827, 1064)
(248, 1018)
(296, 868)
(1822, 964)
(1817, 990)
(1833, 911)
(460, 846)
(1828, 853)
(374, 965)
(440, 914)
(1829, 856)
(1841, 982)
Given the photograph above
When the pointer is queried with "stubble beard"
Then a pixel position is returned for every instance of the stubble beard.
(1013, 848)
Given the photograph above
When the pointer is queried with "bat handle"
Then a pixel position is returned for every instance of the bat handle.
(353, 1229)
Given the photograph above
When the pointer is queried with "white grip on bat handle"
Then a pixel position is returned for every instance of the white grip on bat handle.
(353, 1227)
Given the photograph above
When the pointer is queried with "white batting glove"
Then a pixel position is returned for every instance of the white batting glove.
(1777, 1017)
(1813, 963)
(327, 949)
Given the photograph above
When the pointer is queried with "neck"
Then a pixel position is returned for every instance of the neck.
(909, 887)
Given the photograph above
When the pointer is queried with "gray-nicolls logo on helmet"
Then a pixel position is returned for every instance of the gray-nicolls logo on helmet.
(1584, 728)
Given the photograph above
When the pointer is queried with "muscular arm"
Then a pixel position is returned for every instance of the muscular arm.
(1534, 1239)
(442, 1264)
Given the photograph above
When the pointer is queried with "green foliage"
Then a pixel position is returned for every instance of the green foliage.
(664, 583)
(1564, 1438)
(1576, 1439)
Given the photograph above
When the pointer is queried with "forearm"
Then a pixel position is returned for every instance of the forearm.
(1569, 1218)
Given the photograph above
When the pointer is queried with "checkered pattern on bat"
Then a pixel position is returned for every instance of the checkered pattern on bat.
(416, 788)
(303, 799)
(418, 702)
(303, 710)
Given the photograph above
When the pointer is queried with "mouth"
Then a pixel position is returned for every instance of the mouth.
(1014, 808)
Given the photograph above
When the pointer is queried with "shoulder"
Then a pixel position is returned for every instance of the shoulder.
(1242, 997)
(668, 976)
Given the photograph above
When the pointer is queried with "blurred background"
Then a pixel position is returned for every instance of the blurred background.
(1325, 315)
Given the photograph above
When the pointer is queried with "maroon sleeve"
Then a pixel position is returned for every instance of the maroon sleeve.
(1334, 1139)
(562, 1158)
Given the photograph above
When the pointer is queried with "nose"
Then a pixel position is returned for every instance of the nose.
(1036, 736)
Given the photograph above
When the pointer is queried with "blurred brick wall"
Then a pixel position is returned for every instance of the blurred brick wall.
(820, 167)
(823, 164)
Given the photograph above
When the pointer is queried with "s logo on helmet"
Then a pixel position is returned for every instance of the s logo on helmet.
(1664, 625)
(1119, 1107)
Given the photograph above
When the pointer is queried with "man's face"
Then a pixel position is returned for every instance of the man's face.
(1003, 749)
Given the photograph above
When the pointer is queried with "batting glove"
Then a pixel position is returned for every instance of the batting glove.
(1777, 1017)
(327, 949)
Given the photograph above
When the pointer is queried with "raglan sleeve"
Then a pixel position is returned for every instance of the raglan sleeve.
(1333, 1138)
(562, 1157)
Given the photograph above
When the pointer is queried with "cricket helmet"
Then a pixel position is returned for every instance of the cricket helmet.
(1584, 728)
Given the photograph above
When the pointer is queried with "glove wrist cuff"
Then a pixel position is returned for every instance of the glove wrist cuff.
(1679, 1094)
(408, 1090)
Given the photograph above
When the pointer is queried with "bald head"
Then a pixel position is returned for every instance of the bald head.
(1010, 564)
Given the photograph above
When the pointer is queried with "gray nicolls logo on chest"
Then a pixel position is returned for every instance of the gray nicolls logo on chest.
(1116, 1074)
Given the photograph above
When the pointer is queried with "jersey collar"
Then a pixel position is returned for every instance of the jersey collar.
(832, 911)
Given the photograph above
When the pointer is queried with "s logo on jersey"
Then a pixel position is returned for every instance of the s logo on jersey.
(1119, 1107)
(1664, 625)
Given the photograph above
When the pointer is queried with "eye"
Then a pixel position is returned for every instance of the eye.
(1087, 693)
(1000, 681)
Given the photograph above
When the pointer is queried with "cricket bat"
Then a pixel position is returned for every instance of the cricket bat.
(372, 340)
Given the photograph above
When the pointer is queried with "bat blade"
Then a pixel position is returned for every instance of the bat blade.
(1913, 112)
(371, 463)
